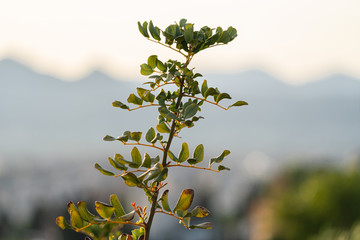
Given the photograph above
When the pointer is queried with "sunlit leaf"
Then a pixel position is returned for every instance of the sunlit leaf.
(130, 179)
(172, 156)
(199, 153)
(119, 210)
(184, 153)
(143, 30)
(117, 165)
(129, 216)
(84, 212)
(104, 210)
(163, 128)
(200, 212)
(109, 138)
(150, 135)
(61, 222)
(134, 99)
(75, 219)
(221, 168)
(222, 96)
(145, 69)
(204, 87)
(210, 92)
(161, 66)
(219, 158)
(136, 156)
(238, 104)
(185, 200)
(153, 31)
(103, 171)
(164, 201)
(189, 33)
(152, 61)
(189, 110)
(206, 225)
(120, 105)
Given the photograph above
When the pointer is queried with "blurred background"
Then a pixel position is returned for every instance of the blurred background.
(295, 149)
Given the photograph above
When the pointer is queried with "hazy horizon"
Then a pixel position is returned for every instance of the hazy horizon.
(293, 40)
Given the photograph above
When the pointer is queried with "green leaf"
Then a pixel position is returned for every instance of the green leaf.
(232, 33)
(184, 153)
(199, 153)
(206, 225)
(221, 168)
(172, 156)
(75, 219)
(136, 156)
(204, 87)
(143, 30)
(185, 200)
(154, 171)
(161, 66)
(224, 37)
(210, 92)
(104, 210)
(163, 175)
(123, 138)
(134, 99)
(219, 158)
(200, 212)
(120, 105)
(61, 222)
(136, 136)
(189, 32)
(117, 165)
(130, 179)
(153, 31)
(146, 161)
(146, 69)
(71, 207)
(103, 171)
(119, 210)
(182, 23)
(238, 104)
(189, 110)
(167, 114)
(163, 128)
(129, 216)
(109, 138)
(121, 160)
(150, 135)
(145, 95)
(164, 201)
(222, 96)
(152, 61)
(84, 212)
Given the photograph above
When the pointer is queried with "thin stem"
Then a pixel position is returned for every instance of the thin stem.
(146, 145)
(162, 85)
(192, 166)
(110, 221)
(176, 50)
(151, 215)
(134, 171)
(142, 106)
(214, 103)
(173, 215)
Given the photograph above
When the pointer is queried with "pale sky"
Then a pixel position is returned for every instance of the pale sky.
(294, 40)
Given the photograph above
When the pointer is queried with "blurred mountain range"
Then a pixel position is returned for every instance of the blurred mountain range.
(42, 117)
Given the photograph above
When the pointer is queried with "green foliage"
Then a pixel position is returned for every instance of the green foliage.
(316, 204)
(177, 109)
